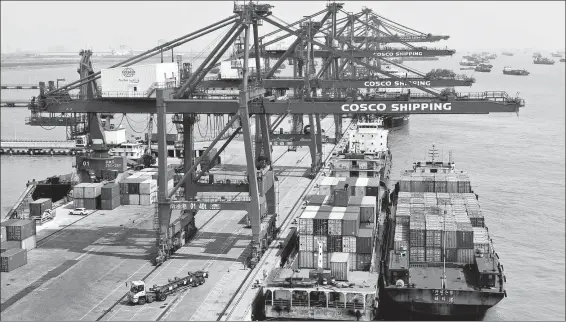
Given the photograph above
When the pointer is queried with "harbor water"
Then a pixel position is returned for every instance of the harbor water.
(516, 164)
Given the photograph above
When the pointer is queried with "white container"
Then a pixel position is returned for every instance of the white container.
(349, 244)
(137, 81)
(134, 199)
(335, 221)
(146, 200)
(115, 136)
(306, 222)
(92, 190)
(229, 70)
(148, 186)
(28, 243)
(306, 243)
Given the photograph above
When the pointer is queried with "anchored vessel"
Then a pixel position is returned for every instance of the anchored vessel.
(518, 72)
(543, 61)
(441, 260)
(335, 274)
(507, 53)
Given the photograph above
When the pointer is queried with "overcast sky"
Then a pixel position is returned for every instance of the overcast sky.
(477, 25)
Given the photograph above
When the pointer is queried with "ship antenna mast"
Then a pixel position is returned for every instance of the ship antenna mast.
(433, 153)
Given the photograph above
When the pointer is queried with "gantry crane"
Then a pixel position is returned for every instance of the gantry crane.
(253, 99)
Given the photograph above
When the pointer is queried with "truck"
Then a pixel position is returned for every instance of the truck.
(140, 294)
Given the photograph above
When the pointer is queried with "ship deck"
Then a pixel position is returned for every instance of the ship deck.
(84, 262)
(431, 278)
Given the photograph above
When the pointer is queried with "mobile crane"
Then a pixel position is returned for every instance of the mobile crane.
(140, 294)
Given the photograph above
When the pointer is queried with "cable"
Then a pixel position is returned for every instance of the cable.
(132, 128)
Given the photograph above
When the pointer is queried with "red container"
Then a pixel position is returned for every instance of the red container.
(12, 259)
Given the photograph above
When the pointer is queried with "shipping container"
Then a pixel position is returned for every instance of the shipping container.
(339, 266)
(477, 220)
(306, 243)
(465, 235)
(451, 184)
(92, 190)
(88, 203)
(109, 191)
(465, 256)
(364, 241)
(3, 236)
(451, 255)
(417, 234)
(138, 80)
(481, 240)
(124, 188)
(353, 262)
(78, 190)
(341, 198)
(371, 191)
(335, 244)
(12, 259)
(405, 184)
(134, 199)
(146, 200)
(428, 182)
(39, 206)
(417, 254)
(20, 229)
(320, 222)
(306, 222)
(350, 224)
(124, 200)
(363, 262)
(349, 244)
(320, 240)
(450, 238)
(10, 244)
(148, 186)
(325, 261)
(111, 204)
(368, 210)
(417, 184)
(433, 254)
(440, 183)
(335, 221)
(78, 203)
(317, 200)
(306, 259)
(28, 243)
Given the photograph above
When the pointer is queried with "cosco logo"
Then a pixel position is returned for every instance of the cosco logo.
(364, 107)
(128, 72)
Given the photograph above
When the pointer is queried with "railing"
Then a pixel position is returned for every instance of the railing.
(355, 306)
(300, 303)
(336, 304)
(282, 303)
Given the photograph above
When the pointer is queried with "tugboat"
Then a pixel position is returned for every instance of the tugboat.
(483, 68)
(543, 61)
(506, 53)
(518, 72)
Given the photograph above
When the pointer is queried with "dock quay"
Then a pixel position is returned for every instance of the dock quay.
(102, 250)
(39, 147)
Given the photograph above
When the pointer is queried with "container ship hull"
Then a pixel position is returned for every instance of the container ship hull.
(395, 122)
(472, 304)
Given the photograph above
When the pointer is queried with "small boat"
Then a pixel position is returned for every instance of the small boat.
(518, 72)
(483, 68)
(556, 54)
(468, 68)
(506, 53)
(543, 61)
(465, 62)
(562, 60)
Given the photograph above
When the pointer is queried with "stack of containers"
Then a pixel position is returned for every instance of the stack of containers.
(38, 207)
(430, 199)
(110, 196)
(433, 238)
(417, 238)
(335, 229)
(451, 239)
(404, 182)
(148, 192)
(87, 195)
(318, 200)
(401, 238)
(130, 190)
(464, 183)
(481, 240)
(364, 247)
(428, 182)
(465, 241)
(476, 218)
(306, 246)
(19, 233)
(440, 183)
(403, 213)
(372, 188)
(451, 183)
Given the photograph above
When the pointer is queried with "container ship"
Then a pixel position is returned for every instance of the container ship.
(440, 259)
(336, 271)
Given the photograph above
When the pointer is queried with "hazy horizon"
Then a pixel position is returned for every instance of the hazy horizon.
(471, 25)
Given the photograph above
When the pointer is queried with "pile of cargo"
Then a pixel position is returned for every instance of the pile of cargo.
(344, 234)
(429, 224)
(87, 195)
(141, 187)
(435, 182)
(17, 238)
